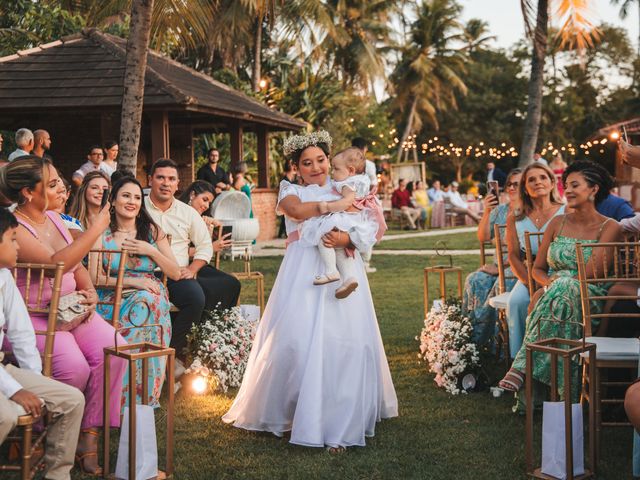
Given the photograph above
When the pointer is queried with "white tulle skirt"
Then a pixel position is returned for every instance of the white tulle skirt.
(361, 227)
(317, 367)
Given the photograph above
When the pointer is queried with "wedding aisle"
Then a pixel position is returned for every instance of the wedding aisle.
(436, 436)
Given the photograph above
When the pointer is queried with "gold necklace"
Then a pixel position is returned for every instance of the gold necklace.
(125, 231)
(20, 212)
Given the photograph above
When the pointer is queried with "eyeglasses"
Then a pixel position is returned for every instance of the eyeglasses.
(512, 184)
(100, 154)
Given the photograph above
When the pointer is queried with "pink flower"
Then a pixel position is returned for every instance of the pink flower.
(212, 347)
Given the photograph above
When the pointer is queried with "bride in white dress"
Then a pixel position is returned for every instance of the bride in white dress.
(317, 368)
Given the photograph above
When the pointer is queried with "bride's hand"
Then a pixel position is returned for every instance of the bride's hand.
(336, 239)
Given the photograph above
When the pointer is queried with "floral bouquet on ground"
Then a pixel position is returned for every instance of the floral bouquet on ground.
(446, 346)
(220, 346)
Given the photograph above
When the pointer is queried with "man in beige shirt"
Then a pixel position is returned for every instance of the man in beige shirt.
(201, 285)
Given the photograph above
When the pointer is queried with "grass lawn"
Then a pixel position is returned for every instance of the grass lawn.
(453, 241)
(436, 436)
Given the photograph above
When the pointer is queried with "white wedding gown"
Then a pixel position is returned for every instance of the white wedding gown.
(317, 367)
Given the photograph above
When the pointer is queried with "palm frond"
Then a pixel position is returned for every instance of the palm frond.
(577, 31)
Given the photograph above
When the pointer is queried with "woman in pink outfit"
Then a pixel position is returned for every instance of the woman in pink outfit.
(78, 357)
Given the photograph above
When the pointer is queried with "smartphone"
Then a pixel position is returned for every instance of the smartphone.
(493, 188)
(226, 230)
(105, 197)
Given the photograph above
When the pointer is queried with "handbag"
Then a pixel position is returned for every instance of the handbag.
(146, 445)
(71, 312)
(554, 460)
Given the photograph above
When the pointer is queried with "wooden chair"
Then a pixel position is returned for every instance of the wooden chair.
(499, 302)
(485, 252)
(30, 460)
(103, 279)
(257, 277)
(530, 258)
(620, 264)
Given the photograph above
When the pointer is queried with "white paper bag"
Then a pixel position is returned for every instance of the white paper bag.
(250, 312)
(553, 441)
(146, 445)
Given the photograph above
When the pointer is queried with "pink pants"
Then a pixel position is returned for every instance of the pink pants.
(78, 360)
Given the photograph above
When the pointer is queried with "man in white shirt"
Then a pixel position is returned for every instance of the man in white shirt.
(537, 158)
(201, 285)
(93, 163)
(458, 205)
(25, 143)
(24, 390)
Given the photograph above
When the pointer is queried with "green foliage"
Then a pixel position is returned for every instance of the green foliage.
(25, 24)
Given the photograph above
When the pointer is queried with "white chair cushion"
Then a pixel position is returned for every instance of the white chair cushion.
(615, 348)
(500, 301)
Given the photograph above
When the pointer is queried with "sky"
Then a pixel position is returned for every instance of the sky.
(505, 18)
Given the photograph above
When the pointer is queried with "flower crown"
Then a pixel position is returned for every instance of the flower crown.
(300, 142)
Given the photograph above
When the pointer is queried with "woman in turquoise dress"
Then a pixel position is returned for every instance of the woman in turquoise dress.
(483, 284)
(145, 300)
(558, 310)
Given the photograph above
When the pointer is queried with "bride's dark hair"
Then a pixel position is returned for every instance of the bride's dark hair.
(146, 228)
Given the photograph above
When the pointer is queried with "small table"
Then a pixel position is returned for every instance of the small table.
(442, 270)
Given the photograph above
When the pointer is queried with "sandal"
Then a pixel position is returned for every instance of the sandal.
(512, 381)
(80, 457)
(336, 450)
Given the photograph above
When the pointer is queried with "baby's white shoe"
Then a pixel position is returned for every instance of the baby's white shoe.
(326, 278)
(347, 288)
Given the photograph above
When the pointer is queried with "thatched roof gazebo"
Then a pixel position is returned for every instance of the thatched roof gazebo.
(73, 88)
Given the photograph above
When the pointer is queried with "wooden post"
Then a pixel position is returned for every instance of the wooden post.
(237, 153)
(264, 164)
(160, 136)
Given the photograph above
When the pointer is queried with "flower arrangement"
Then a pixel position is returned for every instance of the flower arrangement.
(299, 142)
(446, 345)
(219, 347)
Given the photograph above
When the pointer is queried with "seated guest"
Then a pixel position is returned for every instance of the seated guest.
(240, 183)
(615, 207)
(147, 300)
(483, 284)
(200, 196)
(87, 203)
(435, 193)
(24, 386)
(632, 405)
(539, 203)
(421, 200)
(458, 205)
(200, 285)
(78, 357)
(558, 310)
(110, 164)
(70, 222)
(422, 221)
(401, 199)
(93, 164)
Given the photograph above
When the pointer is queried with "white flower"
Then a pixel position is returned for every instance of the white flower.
(299, 142)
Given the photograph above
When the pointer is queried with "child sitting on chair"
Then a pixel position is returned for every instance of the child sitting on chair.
(23, 390)
(350, 214)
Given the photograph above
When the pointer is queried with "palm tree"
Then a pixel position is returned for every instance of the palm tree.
(576, 32)
(134, 73)
(625, 6)
(476, 34)
(429, 75)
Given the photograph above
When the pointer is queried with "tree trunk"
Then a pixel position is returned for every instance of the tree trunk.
(536, 82)
(408, 127)
(256, 70)
(133, 95)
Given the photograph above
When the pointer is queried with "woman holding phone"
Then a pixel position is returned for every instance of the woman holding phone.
(199, 196)
(482, 284)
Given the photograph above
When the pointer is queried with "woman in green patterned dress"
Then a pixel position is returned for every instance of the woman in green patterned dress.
(558, 311)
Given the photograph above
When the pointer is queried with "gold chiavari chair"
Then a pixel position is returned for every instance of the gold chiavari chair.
(499, 302)
(485, 252)
(530, 239)
(31, 449)
(102, 279)
(599, 266)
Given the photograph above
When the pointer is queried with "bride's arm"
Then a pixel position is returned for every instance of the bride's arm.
(293, 208)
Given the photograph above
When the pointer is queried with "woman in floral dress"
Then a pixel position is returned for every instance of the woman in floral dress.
(558, 311)
(483, 284)
(145, 300)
